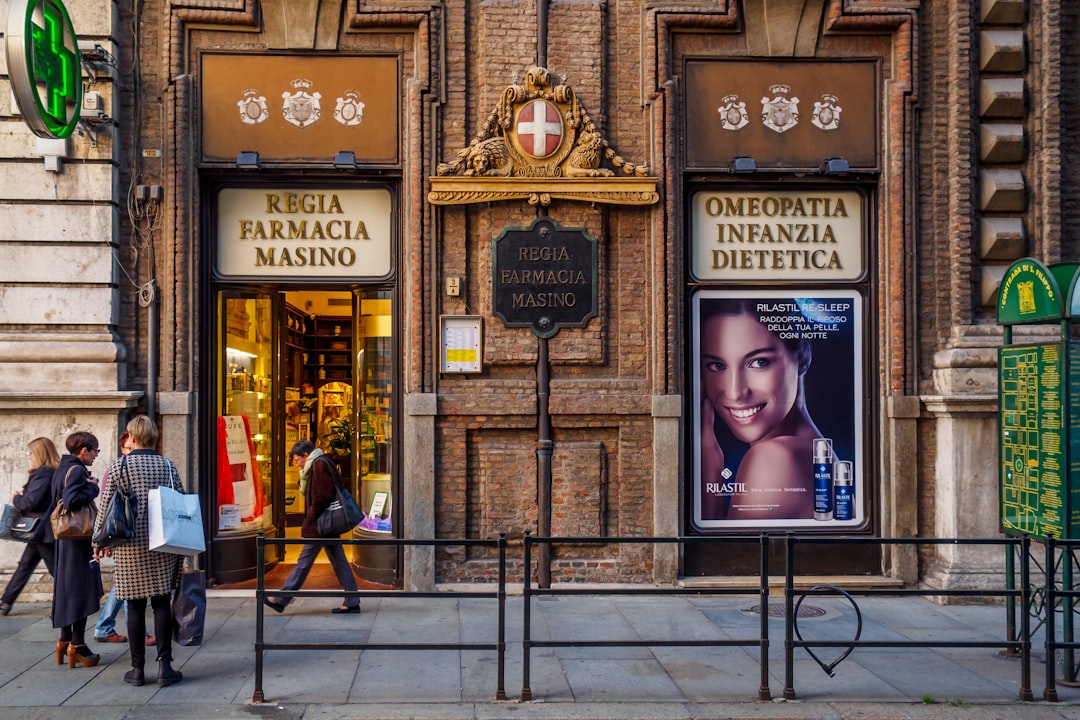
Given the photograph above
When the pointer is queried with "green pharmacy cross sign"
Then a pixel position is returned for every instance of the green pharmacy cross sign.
(43, 63)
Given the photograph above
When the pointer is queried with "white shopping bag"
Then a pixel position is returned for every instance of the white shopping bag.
(175, 522)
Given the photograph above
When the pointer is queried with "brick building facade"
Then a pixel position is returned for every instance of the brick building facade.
(970, 131)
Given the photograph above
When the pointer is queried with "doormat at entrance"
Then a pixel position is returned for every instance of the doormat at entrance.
(321, 577)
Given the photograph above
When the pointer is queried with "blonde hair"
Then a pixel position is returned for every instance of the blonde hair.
(143, 431)
(43, 453)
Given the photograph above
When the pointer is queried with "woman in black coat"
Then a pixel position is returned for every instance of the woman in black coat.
(77, 591)
(34, 500)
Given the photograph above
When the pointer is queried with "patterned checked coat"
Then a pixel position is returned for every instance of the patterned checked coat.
(140, 573)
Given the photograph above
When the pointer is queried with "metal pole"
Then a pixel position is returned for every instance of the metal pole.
(500, 691)
(526, 618)
(1050, 691)
(789, 621)
(541, 32)
(1025, 623)
(152, 350)
(1010, 601)
(763, 689)
(543, 465)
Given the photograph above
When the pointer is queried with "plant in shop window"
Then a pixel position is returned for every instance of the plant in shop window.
(340, 438)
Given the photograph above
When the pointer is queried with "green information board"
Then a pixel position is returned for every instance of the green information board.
(1032, 453)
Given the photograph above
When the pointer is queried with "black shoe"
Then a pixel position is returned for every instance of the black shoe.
(135, 676)
(275, 606)
(5, 608)
(166, 675)
(346, 609)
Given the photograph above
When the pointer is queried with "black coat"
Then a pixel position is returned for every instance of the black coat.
(322, 483)
(77, 589)
(36, 498)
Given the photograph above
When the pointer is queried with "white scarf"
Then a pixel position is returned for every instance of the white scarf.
(311, 458)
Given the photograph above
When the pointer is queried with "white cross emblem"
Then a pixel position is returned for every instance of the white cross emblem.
(539, 128)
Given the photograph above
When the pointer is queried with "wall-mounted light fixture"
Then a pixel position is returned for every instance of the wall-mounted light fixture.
(247, 160)
(742, 164)
(834, 166)
(53, 150)
(345, 160)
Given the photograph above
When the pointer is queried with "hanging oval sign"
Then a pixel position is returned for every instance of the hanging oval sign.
(44, 66)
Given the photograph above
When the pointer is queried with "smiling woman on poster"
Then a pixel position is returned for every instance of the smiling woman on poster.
(752, 381)
(756, 436)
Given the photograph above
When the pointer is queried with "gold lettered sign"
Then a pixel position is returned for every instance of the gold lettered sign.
(300, 109)
(786, 115)
(778, 235)
(304, 233)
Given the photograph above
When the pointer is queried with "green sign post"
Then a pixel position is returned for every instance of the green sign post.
(44, 65)
(1038, 387)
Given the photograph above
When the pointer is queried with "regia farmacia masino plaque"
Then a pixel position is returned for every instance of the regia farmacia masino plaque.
(44, 66)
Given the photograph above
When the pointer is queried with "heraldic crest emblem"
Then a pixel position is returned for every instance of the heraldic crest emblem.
(539, 131)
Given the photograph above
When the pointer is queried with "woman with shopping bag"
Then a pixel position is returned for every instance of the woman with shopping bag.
(139, 574)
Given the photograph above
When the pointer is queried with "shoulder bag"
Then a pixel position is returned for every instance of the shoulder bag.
(118, 525)
(341, 515)
(77, 525)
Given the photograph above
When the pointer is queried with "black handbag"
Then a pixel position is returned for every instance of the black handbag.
(341, 515)
(118, 525)
(28, 528)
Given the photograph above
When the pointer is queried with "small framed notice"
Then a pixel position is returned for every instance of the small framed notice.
(462, 343)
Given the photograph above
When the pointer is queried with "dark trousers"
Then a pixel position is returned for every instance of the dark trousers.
(136, 628)
(32, 554)
(336, 555)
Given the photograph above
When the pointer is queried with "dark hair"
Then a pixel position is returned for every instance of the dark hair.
(302, 447)
(76, 441)
(718, 307)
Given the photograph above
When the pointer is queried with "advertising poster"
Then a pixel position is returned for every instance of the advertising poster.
(778, 421)
(238, 481)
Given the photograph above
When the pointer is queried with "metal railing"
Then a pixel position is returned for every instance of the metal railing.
(1023, 544)
(499, 595)
(1054, 597)
(1020, 643)
(761, 641)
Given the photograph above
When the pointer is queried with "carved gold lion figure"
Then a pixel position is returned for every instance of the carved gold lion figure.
(584, 160)
(488, 158)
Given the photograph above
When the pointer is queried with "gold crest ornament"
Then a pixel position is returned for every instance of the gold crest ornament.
(539, 143)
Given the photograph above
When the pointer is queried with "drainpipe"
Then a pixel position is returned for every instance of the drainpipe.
(148, 298)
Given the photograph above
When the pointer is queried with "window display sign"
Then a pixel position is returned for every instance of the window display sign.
(239, 488)
(304, 233)
(777, 235)
(778, 417)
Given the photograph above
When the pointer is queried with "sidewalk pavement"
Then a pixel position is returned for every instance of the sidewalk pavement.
(567, 683)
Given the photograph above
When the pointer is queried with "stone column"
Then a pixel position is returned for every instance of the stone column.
(418, 489)
(667, 451)
(965, 461)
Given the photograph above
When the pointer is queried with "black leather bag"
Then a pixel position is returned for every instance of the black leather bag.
(341, 515)
(28, 527)
(118, 525)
